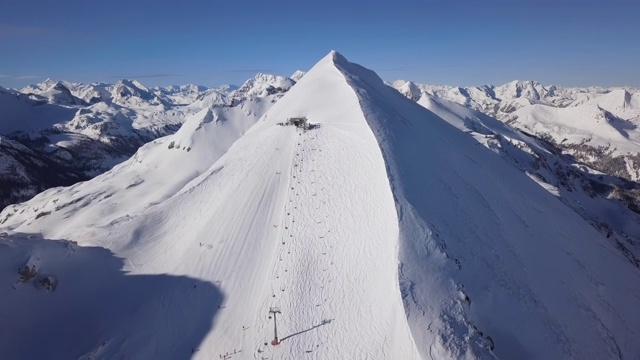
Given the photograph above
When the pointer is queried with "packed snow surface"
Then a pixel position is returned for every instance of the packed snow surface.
(382, 232)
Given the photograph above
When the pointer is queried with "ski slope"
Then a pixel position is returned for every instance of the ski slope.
(381, 233)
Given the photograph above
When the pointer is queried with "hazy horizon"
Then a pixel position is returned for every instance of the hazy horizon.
(464, 43)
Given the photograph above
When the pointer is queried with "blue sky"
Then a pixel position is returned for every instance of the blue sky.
(566, 42)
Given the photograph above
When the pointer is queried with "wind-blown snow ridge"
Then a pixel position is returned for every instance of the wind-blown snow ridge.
(382, 232)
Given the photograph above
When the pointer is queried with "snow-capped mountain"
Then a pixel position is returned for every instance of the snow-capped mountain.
(601, 133)
(88, 128)
(501, 101)
(54, 92)
(133, 94)
(209, 98)
(296, 76)
(262, 85)
(383, 231)
(90, 93)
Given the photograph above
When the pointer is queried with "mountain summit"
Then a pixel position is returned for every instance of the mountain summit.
(378, 230)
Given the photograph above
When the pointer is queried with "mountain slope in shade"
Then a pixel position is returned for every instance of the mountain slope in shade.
(382, 232)
(592, 134)
(21, 113)
(521, 254)
(600, 199)
(20, 165)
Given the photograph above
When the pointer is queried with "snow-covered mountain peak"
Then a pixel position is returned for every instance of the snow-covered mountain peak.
(522, 88)
(410, 90)
(263, 78)
(52, 91)
(135, 83)
(209, 98)
(225, 89)
(617, 100)
(262, 85)
(133, 93)
(185, 137)
(191, 88)
(39, 87)
(296, 76)
(338, 58)
(126, 87)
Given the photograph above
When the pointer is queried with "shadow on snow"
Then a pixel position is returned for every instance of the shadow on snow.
(324, 322)
(97, 309)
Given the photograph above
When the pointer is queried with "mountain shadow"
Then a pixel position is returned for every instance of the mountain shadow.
(64, 301)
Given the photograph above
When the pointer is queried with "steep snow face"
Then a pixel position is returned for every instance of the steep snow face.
(599, 199)
(485, 251)
(597, 128)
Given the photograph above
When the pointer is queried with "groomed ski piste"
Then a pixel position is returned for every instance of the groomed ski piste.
(383, 232)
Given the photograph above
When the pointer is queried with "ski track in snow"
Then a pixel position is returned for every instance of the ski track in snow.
(319, 273)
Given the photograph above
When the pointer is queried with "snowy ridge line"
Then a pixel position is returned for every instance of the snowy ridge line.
(416, 236)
